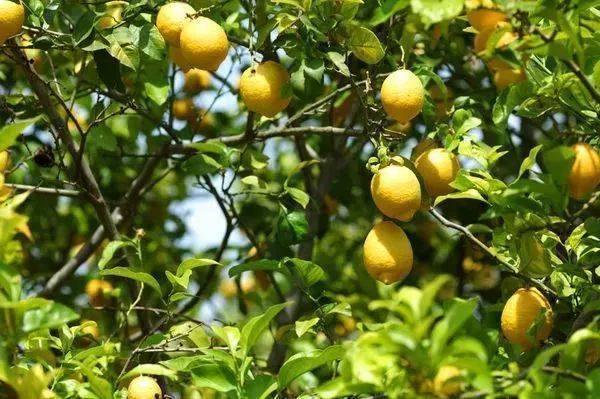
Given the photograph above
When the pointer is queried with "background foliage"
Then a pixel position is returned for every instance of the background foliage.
(298, 316)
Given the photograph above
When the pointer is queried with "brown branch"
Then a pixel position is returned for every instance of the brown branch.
(45, 190)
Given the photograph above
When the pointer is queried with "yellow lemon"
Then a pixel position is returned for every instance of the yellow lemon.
(482, 19)
(387, 253)
(4, 160)
(178, 59)
(184, 109)
(585, 172)
(520, 312)
(12, 16)
(170, 20)
(196, 80)
(96, 291)
(402, 95)
(396, 192)
(143, 387)
(445, 382)
(203, 43)
(261, 88)
(482, 38)
(91, 329)
(506, 77)
(424, 145)
(111, 17)
(438, 167)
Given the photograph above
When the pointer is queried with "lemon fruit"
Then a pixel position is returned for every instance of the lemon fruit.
(196, 80)
(520, 312)
(178, 59)
(446, 381)
(585, 172)
(438, 167)
(4, 160)
(503, 78)
(170, 20)
(112, 17)
(91, 329)
(12, 16)
(482, 38)
(97, 291)
(262, 86)
(203, 43)
(402, 95)
(483, 18)
(184, 109)
(396, 192)
(387, 253)
(424, 145)
(143, 387)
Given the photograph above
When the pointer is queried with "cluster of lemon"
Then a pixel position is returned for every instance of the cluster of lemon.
(396, 189)
(198, 44)
(490, 22)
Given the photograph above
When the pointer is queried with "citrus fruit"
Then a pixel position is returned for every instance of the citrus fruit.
(483, 18)
(97, 291)
(424, 145)
(402, 95)
(504, 78)
(446, 382)
(143, 387)
(12, 16)
(387, 253)
(438, 167)
(184, 109)
(396, 192)
(178, 59)
(203, 43)
(170, 20)
(482, 38)
(585, 172)
(519, 314)
(196, 80)
(262, 86)
(4, 160)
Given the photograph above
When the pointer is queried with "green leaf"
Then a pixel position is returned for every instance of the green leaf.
(109, 70)
(133, 274)
(302, 363)
(530, 160)
(214, 376)
(298, 195)
(339, 61)
(558, 162)
(201, 164)
(365, 45)
(309, 273)
(260, 387)
(109, 252)
(255, 327)
(150, 369)
(460, 311)
(292, 228)
(50, 316)
(84, 27)
(469, 194)
(262, 264)
(302, 326)
(434, 11)
(10, 132)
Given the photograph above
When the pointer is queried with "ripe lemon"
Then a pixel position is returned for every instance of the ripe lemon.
(143, 387)
(424, 145)
(506, 77)
(203, 43)
(112, 17)
(438, 167)
(97, 290)
(184, 109)
(482, 19)
(4, 160)
(585, 172)
(196, 80)
(261, 88)
(170, 20)
(178, 59)
(446, 381)
(482, 38)
(12, 16)
(519, 314)
(387, 253)
(396, 192)
(91, 329)
(402, 95)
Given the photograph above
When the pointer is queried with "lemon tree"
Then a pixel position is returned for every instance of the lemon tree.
(268, 199)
